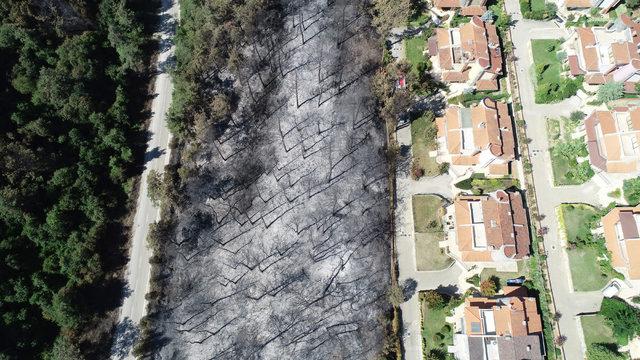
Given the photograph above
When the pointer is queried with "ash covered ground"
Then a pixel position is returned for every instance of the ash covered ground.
(282, 250)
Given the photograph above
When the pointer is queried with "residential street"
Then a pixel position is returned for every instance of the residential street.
(568, 302)
(156, 157)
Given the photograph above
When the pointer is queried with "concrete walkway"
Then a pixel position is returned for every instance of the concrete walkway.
(568, 302)
(406, 188)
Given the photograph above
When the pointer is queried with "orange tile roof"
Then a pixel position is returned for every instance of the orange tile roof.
(477, 10)
(622, 239)
(504, 223)
(577, 4)
(589, 53)
(490, 125)
(513, 315)
(479, 43)
(610, 139)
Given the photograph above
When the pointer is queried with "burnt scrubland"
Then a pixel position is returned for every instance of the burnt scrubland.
(275, 238)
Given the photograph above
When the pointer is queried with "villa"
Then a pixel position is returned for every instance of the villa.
(622, 235)
(613, 140)
(490, 229)
(469, 54)
(507, 327)
(466, 7)
(480, 138)
(606, 54)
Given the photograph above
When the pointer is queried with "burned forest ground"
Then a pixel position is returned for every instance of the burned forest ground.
(281, 248)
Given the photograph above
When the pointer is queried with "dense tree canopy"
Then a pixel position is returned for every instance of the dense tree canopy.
(66, 160)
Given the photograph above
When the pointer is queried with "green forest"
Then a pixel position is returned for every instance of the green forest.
(71, 145)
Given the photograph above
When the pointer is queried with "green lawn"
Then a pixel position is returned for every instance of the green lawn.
(538, 5)
(427, 213)
(437, 334)
(561, 167)
(427, 220)
(576, 219)
(541, 55)
(596, 330)
(423, 140)
(479, 184)
(429, 256)
(414, 48)
(565, 166)
(523, 270)
(586, 274)
(553, 131)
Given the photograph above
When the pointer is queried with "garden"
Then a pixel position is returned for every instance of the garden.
(614, 326)
(423, 141)
(550, 85)
(478, 184)
(565, 151)
(428, 211)
(538, 9)
(590, 266)
(437, 334)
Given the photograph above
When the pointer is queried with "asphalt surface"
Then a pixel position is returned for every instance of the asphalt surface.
(156, 157)
(568, 303)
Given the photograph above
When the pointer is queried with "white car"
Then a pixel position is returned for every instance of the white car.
(612, 290)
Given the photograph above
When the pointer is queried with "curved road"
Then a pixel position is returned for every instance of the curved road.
(156, 157)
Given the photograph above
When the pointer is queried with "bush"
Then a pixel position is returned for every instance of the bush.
(416, 171)
(434, 299)
(465, 184)
(631, 190)
(443, 168)
(610, 91)
(603, 352)
(489, 287)
(475, 280)
(623, 318)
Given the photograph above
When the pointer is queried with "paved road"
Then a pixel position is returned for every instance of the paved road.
(406, 188)
(156, 157)
(568, 302)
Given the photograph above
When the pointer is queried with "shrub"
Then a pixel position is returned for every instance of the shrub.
(465, 184)
(631, 190)
(623, 319)
(434, 299)
(577, 116)
(475, 280)
(489, 287)
(395, 295)
(416, 171)
(443, 168)
(615, 193)
(603, 352)
(154, 186)
(610, 91)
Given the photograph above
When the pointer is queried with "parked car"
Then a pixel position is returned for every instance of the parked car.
(611, 290)
(516, 281)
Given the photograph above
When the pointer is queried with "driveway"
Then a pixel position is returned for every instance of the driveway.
(568, 302)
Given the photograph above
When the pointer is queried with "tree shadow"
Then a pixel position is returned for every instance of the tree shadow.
(409, 287)
(154, 153)
(125, 336)
(450, 290)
